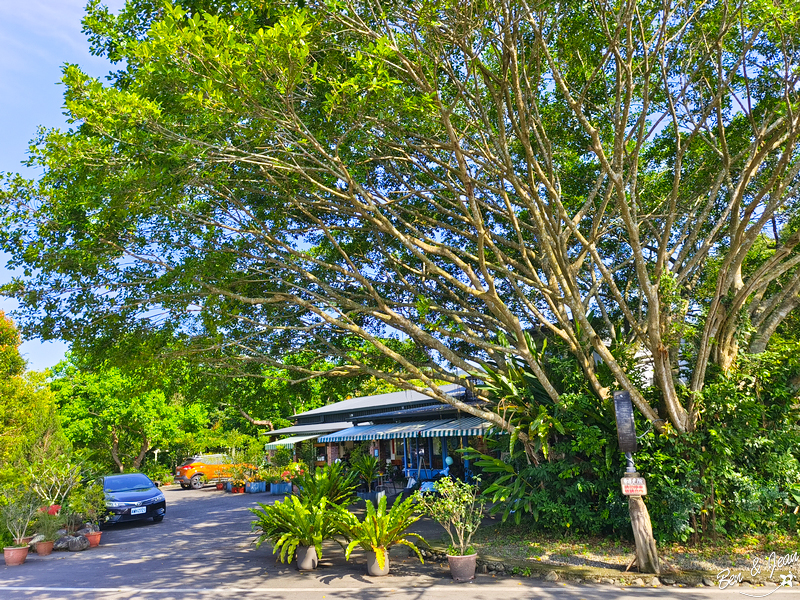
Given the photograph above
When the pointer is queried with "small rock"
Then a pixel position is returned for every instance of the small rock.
(655, 582)
(708, 581)
(483, 569)
(36, 538)
(667, 581)
(62, 532)
(596, 580)
(551, 576)
(79, 543)
(500, 567)
(637, 581)
(83, 531)
(490, 566)
(607, 580)
(62, 543)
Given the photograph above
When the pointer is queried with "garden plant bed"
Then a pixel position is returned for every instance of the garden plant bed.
(512, 550)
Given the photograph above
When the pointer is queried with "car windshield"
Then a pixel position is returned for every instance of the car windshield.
(125, 483)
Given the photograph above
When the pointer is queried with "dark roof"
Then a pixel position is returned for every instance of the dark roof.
(347, 410)
(313, 428)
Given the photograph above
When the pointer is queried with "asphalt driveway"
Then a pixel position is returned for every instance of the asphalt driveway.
(204, 549)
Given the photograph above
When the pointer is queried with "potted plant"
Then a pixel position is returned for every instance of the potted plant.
(298, 530)
(331, 482)
(89, 502)
(366, 466)
(458, 507)
(53, 480)
(47, 526)
(17, 514)
(380, 529)
(288, 475)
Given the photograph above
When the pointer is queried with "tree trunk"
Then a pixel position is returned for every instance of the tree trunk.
(115, 451)
(646, 553)
(142, 453)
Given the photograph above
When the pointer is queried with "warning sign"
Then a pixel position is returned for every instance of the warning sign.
(633, 486)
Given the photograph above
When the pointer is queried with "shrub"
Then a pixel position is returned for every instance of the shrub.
(291, 523)
(331, 482)
(381, 529)
(366, 466)
(458, 507)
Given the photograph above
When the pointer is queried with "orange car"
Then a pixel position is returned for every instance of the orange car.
(212, 466)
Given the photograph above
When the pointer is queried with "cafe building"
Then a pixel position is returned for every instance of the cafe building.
(410, 433)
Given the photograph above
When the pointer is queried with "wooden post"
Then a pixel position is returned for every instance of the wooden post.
(646, 553)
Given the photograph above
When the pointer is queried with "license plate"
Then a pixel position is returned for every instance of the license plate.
(139, 510)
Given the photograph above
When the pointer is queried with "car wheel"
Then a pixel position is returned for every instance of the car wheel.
(196, 483)
(185, 486)
(158, 519)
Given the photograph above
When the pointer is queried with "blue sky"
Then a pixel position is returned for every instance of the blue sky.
(36, 38)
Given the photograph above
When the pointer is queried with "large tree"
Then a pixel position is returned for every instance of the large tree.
(476, 177)
(30, 432)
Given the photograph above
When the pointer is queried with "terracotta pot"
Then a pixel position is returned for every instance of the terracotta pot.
(306, 558)
(44, 548)
(462, 568)
(24, 541)
(220, 485)
(15, 555)
(94, 538)
(373, 568)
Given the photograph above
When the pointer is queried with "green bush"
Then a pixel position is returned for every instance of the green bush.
(331, 482)
(733, 475)
(282, 457)
(291, 523)
(367, 468)
(381, 529)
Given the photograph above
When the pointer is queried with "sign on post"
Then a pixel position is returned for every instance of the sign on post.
(626, 428)
(633, 486)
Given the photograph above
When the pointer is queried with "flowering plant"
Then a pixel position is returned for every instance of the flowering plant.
(292, 471)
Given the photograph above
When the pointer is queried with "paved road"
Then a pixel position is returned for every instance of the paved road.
(203, 550)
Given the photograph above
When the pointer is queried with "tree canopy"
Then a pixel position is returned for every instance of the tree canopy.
(484, 181)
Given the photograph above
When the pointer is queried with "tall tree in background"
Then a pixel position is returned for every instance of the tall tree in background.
(29, 427)
(471, 176)
(119, 416)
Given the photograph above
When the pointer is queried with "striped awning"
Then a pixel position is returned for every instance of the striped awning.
(389, 431)
(458, 427)
(289, 442)
(357, 433)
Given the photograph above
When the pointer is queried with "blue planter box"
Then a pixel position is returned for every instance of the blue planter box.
(280, 488)
(373, 497)
(228, 486)
(255, 487)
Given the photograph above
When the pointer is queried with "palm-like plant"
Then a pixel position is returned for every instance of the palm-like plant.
(380, 529)
(366, 466)
(292, 523)
(331, 482)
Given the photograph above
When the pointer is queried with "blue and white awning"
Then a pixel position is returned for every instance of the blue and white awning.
(467, 426)
(388, 431)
